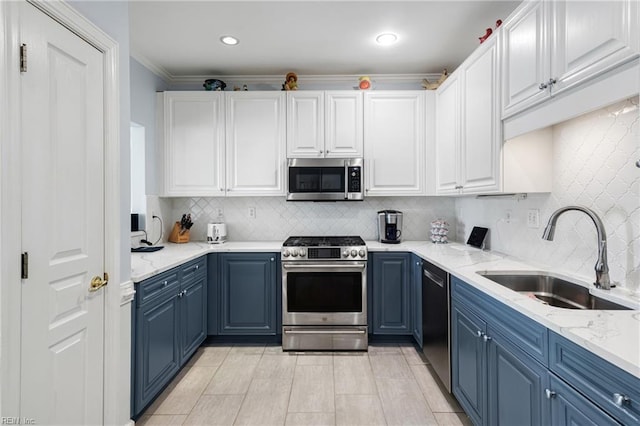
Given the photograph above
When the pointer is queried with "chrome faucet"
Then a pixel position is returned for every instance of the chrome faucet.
(602, 268)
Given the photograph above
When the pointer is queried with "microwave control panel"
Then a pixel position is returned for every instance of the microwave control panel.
(355, 179)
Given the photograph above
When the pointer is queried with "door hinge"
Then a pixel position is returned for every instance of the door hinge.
(25, 265)
(23, 57)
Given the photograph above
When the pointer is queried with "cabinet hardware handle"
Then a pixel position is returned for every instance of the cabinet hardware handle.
(327, 151)
(486, 338)
(638, 164)
(164, 283)
(543, 86)
(620, 399)
(552, 81)
(321, 151)
(549, 393)
(197, 266)
(221, 189)
(458, 187)
(273, 259)
(479, 333)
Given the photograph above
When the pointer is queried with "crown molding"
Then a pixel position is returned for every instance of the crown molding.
(156, 69)
(273, 79)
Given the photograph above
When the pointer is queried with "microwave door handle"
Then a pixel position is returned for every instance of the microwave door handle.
(346, 180)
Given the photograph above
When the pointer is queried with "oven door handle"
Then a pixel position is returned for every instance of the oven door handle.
(325, 331)
(322, 266)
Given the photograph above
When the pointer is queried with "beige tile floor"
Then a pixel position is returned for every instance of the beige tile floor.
(262, 385)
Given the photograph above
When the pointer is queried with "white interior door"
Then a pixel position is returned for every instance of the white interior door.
(62, 225)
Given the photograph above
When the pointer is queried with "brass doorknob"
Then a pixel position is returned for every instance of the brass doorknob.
(97, 282)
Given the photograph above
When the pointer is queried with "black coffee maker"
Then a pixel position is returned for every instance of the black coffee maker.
(389, 226)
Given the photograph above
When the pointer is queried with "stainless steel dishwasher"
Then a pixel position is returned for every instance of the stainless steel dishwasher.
(435, 321)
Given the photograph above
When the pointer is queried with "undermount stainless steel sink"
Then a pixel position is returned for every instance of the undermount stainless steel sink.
(551, 290)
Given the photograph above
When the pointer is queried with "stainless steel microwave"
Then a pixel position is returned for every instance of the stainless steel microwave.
(325, 179)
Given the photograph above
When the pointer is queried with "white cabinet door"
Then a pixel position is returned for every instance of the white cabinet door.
(480, 141)
(394, 131)
(255, 129)
(344, 124)
(193, 131)
(448, 135)
(305, 124)
(592, 37)
(525, 58)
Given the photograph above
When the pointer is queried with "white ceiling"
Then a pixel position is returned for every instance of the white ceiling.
(181, 38)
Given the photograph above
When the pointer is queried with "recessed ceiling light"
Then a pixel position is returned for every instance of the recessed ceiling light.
(229, 40)
(386, 39)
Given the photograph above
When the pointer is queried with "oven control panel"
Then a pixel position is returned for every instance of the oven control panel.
(324, 253)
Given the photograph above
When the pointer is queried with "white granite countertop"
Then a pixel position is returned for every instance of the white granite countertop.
(612, 335)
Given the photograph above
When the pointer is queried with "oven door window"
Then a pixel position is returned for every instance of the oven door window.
(316, 179)
(324, 292)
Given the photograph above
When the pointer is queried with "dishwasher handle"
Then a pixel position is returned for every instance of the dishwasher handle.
(437, 280)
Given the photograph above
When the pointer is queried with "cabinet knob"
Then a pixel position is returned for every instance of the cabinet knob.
(273, 259)
(552, 81)
(164, 283)
(620, 399)
(549, 393)
(543, 86)
(321, 151)
(221, 189)
(458, 187)
(328, 151)
(479, 333)
(197, 266)
(486, 338)
(638, 164)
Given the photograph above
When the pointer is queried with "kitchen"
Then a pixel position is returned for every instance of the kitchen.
(596, 174)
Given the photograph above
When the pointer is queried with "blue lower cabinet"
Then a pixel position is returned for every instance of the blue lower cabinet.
(391, 291)
(468, 361)
(193, 310)
(416, 299)
(247, 285)
(516, 384)
(569, 407)
(495, 379)
(157, 348)
(169, 323)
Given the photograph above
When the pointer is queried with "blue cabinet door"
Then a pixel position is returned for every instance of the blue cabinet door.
(157, 348)
(516, 384)
(212, 294)
(193, 313)
(468, 361)
(568, 407)
(391, 288)
(247, 293)
(416, 298)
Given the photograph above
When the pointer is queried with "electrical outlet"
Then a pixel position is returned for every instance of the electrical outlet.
(533, 218)
(219, 212)
(508, 216)
(252, 212)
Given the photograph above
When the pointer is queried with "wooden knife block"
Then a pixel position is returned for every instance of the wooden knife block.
(176, 237)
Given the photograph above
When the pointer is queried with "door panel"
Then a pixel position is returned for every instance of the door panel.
(63, 224)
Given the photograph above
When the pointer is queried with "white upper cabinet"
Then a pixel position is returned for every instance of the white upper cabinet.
(525, 58)
(324, 124)
(255, 143)
(592, 37)
(552, 46)
(344, 124)
(191, 125)
(448, 131)
(468, 137)
(394, 134)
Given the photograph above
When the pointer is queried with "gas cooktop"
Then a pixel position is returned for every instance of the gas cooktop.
(323, 241)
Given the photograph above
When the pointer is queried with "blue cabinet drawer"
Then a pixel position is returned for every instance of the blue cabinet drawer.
(523, 332)
(153, 288)
(569, 407)
(612, 389)
(194, 269)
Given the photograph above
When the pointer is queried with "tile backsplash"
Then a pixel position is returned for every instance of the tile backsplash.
(276, 219)
(594, 159)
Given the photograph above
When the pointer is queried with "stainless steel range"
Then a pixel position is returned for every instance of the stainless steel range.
(324, 293)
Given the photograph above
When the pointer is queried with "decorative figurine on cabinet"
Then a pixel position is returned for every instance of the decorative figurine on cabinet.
(291, 82)
(433, 86)
(364, 82)
(486, 35)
